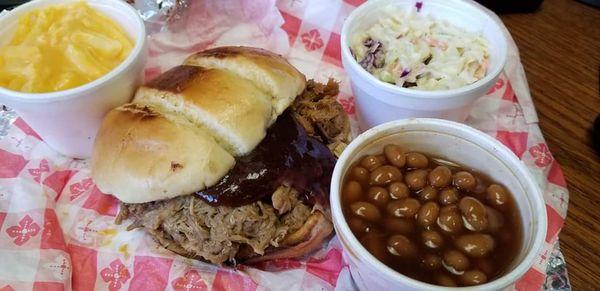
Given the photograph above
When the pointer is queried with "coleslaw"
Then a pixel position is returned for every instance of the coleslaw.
(415, 51)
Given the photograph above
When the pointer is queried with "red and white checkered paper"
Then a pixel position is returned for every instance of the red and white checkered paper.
(56, 227)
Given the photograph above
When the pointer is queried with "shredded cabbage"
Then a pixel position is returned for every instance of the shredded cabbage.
(415, 51)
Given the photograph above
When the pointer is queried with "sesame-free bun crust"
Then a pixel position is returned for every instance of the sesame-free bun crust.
(269, 72)
(183, 129)
(235, 111)
(142, 154)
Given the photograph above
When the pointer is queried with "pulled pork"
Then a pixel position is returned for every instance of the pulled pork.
(188, 226)
(286, 227)
(317, 110)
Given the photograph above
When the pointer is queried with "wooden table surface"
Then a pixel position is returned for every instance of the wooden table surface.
(560, 49)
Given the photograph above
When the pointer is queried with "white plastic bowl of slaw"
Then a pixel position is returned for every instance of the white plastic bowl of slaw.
(454, 142)
(379, 102)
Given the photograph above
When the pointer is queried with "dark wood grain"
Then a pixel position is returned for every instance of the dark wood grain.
(560, 50)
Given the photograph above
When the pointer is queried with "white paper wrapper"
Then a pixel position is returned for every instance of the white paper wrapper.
(57, 229)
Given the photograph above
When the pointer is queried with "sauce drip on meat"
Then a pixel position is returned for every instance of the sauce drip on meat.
(287, 155)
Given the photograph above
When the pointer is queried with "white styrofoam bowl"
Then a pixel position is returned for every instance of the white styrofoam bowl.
(68, 120)
(457, 143)
(378, 102)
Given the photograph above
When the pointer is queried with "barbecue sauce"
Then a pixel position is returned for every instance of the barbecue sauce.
(287, 155)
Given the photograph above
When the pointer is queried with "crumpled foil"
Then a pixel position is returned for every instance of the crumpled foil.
(160, 15)
(557, 277)
(7, 117)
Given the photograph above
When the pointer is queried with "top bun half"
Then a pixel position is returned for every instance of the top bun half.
(184, 129)
(269, 72)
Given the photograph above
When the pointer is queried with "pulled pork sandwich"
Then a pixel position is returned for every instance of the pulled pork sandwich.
(226, 158)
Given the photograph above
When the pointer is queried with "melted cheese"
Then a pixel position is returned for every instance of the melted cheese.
(61, 47)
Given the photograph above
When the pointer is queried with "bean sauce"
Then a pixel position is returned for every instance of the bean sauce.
(431, 220)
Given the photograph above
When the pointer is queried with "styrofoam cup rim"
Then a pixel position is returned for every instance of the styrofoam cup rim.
(505, 154)
(412, 93)
(140, 42)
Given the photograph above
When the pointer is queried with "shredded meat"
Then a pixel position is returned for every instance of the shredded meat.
(317, 110)
(190, 227)
(284, 198)
(285, 227)
(320, 228)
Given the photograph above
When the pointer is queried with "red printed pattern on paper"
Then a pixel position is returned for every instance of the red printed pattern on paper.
(79, 188)
(26, 229)
(60, 267)
(278, 265)
(348, 105)
(36, 173)
(25, 128)
(150, 273)
(115, 275)
(515, 141)
(57, 181)
(83, 262)
(231, 281)
(327, 268)
(190, 281)
(355, 2)
(312, 40)
(509, 94)
(52, 236)
(555, 176)
(11, 165)
(48, 286)
(102, 203)
(333, 52)
(532, 280)
(555, 223)
(291, 26)
(2, 217)
(498, 85)
(541, 154)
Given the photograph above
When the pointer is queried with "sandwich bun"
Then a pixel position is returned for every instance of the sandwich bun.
(235, 111)
(184, 129)
(270, 72)
(142, 154)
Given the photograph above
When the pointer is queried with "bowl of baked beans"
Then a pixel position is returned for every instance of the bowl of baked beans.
(428, 203)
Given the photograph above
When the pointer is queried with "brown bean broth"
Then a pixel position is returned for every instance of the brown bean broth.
(508, 239)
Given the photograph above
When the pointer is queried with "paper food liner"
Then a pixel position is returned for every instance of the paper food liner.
(57, 229)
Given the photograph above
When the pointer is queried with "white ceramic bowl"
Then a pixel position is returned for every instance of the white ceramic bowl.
(68, 120)
(378, 102)
(458, 143)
